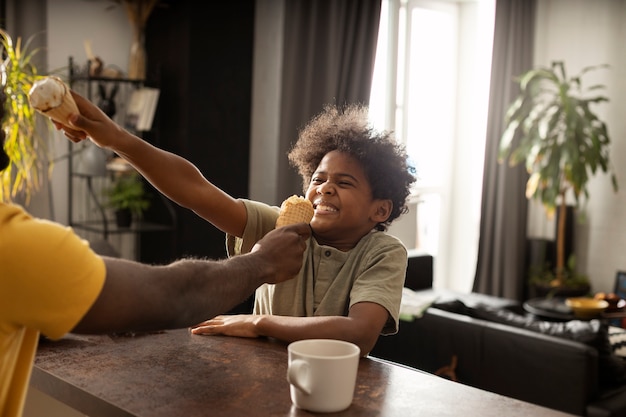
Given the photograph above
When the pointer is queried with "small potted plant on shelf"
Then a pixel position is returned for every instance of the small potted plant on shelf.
(128, 197)
(563, 143)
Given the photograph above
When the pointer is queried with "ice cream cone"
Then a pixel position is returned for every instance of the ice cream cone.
(293, 210)
(51, 97)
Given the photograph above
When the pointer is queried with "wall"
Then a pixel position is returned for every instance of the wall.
(266, 93)
(583, 33)
(69, 24)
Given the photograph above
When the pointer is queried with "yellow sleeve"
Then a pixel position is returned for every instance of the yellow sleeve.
(50, 276)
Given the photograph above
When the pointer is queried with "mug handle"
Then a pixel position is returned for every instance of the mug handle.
(297, 375)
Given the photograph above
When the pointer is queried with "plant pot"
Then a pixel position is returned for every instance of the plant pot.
(123, 218)
(137, 59)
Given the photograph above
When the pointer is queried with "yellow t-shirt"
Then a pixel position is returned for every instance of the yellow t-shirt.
(49, 278)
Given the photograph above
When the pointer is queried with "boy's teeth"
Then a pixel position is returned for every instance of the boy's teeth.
(322, 207)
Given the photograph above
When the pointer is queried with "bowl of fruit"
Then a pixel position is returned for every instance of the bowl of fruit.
(586, 307)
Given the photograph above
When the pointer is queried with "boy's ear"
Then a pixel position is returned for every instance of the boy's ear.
(382, 210)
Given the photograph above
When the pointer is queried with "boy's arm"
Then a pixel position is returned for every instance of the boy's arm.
(172, 175)
(362, 326)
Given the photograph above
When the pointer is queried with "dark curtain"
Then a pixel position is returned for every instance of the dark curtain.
(501, 266)
(18, 19)
(329, 52)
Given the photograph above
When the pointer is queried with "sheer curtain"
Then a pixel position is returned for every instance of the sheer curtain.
(328, 57)
(502, 246)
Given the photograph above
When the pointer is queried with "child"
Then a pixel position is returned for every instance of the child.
(358, 180)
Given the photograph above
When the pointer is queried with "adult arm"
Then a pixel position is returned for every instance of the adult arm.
(362, 326)
(172, 175)
(141, 297)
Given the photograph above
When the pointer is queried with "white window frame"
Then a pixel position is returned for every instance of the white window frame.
(456, 246)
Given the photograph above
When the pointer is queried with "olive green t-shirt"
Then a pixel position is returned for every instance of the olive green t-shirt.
(330, 281)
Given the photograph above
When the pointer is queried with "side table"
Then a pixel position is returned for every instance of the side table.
(555, 309)
(552, 309)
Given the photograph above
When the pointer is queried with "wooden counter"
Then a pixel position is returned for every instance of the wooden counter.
(175, 373)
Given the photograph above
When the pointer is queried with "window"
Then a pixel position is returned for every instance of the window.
(431, 87)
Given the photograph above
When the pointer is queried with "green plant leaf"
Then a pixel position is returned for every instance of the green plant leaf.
(552, 128)
(127, 192)
(31, 160)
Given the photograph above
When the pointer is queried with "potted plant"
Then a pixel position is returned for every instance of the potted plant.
(552, 129)
(24, 143)
(127, 196)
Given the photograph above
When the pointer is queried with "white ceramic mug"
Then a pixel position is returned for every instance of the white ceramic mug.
(322, 374)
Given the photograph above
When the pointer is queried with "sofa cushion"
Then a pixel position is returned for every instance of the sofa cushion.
(594, 333)
(617, 337)
(419, 271)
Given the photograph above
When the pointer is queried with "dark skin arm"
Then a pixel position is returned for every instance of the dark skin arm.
(188, 188)
(361, 327)
(139, 297)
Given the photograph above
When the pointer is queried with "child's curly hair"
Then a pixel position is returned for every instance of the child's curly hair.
(347, 130)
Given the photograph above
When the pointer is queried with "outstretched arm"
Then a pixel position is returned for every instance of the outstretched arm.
(139, 297)
(172, 175)
(362, 326)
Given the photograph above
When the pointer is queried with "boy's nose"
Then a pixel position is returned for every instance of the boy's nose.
(326, 188)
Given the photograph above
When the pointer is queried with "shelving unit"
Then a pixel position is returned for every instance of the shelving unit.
(86, 205)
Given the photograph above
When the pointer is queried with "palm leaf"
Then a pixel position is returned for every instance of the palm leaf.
(31, 161)
(551, 128)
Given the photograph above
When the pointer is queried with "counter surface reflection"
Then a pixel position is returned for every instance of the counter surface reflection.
(175, 373)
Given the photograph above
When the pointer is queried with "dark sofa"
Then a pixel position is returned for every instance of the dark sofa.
(489, 343)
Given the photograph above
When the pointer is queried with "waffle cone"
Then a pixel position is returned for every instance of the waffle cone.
(63, 111)
(293, 210)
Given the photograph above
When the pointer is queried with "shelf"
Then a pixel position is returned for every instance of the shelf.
(110, 227)
(108, 79)
(94, 218)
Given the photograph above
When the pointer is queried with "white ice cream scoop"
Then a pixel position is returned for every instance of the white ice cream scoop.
(51, 97)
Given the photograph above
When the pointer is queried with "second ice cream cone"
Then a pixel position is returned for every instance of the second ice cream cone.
(293, 210)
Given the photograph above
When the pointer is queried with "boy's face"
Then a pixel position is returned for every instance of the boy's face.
(344, 208)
